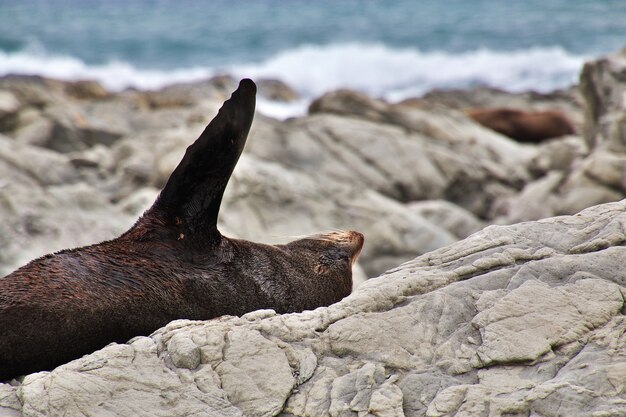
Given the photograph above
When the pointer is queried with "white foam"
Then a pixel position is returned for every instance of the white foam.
(283, 110)
(114, 75)
(400, 73)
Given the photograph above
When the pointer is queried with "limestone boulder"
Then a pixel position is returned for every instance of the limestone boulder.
(46, 205)
(524, 319)
(39, 220)
(276, 90)
(559, 154)
(87, 90)
(405, 153)
(603, 86)
(21, 163)
(32, 90)
(607, 168)
(75, 129)
(461, 223)
(9, 107)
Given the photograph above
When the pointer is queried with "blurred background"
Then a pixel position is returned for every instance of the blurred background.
(391, 49)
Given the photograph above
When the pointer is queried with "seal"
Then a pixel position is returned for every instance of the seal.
(172, 264)
(523, 126)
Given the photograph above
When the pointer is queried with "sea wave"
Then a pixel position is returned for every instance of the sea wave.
(376, 69)
(114, 75)
(395, 74)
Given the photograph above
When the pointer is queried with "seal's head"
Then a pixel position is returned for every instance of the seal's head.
(333, 252)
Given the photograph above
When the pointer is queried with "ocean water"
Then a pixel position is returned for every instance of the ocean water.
(390, 49)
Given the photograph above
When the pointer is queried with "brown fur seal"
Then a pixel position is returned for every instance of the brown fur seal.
(526, 127)
(172, 264)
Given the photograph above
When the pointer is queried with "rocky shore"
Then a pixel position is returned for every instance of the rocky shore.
(526, 319)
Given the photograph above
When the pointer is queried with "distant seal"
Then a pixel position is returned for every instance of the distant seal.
(523, 126)
(172, 264)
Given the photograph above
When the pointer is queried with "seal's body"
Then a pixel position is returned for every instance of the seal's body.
(172, 264)
(523, 126)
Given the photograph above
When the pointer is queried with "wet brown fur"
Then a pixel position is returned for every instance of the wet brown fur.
(523, 126)
(173, 263)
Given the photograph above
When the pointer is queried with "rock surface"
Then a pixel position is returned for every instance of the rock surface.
(525, 319)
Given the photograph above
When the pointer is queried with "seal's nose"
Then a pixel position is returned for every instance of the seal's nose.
(357, 236)
(357, 239)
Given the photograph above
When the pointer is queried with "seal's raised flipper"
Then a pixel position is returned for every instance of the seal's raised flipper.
(192, 196)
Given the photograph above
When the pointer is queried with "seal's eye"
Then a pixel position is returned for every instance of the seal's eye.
(328, 260)
(321, 269)
(333, 257)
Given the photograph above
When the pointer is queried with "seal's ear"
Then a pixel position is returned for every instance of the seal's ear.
(192, 196)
